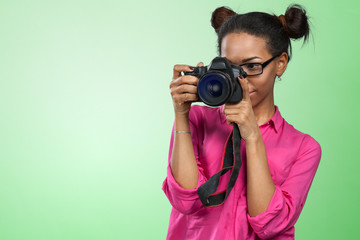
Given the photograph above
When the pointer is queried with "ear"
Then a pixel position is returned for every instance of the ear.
(281, 64)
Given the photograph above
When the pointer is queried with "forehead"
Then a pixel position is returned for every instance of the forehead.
(238, 46)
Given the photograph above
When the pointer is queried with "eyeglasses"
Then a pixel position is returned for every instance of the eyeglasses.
(254, 69)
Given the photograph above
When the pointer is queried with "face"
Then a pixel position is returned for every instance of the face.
(240, 48)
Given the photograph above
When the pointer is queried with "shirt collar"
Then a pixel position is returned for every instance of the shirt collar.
(275, 121)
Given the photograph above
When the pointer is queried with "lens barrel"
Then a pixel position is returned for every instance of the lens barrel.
(215, 88)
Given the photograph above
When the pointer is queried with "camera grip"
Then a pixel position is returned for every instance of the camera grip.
(197, 72)
(191, 73)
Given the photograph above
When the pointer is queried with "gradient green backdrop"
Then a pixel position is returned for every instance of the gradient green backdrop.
(86, 113)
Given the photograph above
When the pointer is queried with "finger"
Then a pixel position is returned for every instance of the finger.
(231, 111)
(245, 88)
(200, 64)
(186, 79)
(185, 97)
(239, 106)
(230, 119)
(185, 88)
(181, 68)
(189, 97)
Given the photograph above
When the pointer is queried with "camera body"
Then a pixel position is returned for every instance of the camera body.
(218, 83)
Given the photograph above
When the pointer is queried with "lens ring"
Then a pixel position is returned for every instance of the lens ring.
(215, 88)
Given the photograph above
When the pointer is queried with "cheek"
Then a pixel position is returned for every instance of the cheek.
(267, 82)
(262, 84)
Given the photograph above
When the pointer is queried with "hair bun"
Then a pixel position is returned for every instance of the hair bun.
(219, 16)
(295, 22)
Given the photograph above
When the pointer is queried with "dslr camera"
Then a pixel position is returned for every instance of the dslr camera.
(218, 82)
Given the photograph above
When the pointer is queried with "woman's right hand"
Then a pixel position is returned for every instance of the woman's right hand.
(183, 89)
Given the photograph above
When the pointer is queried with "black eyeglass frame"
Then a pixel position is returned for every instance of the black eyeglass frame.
(263, 65)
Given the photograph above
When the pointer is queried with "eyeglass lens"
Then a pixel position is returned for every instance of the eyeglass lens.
(252, 68)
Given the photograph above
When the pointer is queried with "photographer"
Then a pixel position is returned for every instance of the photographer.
(279, 162)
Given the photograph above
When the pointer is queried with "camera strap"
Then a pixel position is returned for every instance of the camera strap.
(231, 160)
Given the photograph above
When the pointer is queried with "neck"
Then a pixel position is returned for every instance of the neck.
(264, 111)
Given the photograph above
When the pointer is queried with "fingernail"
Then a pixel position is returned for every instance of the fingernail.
(192, 68)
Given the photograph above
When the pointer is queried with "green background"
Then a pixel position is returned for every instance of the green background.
(86, 113)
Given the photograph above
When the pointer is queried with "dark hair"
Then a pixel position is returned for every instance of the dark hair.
(276, 30)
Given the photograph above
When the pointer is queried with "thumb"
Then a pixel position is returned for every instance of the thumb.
(245, 88)
(200, 64)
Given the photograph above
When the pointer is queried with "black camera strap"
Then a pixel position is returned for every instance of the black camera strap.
(231, 160)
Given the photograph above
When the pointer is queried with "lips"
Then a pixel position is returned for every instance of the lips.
(251, 93)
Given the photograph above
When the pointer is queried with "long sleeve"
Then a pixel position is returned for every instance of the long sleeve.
(183, 200)
(289, 198)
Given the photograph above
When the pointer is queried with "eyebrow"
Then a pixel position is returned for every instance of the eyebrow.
(249, 59)
(246, 60)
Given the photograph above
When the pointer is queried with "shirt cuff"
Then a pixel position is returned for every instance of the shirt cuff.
(180, 192)
(259, 222)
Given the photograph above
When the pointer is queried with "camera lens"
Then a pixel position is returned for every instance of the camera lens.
(214, 88)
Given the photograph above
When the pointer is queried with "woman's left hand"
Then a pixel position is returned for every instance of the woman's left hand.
(243, 115)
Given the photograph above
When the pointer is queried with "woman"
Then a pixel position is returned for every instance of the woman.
(279, 162)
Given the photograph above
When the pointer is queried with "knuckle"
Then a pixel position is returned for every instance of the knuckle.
(172, 91)
(179, 88)
(182, 88)
(195, 79)
(190, 89)
(185, 78)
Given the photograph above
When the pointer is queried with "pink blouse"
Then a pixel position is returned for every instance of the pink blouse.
(293, 159)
